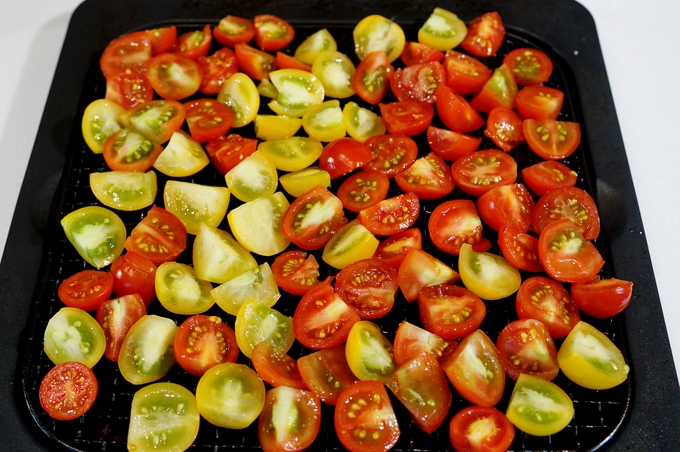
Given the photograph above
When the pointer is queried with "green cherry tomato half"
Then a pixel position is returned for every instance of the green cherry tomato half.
(97, 233)
(74, 335)
(488, 275)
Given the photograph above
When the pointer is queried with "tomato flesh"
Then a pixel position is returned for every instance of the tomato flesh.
(203, 342)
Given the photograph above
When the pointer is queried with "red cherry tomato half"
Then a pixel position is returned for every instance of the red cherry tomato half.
(296, 272)
(429, 177)
(371, 80)
(602, 298)
(174, 76)
(312, 219)
(369, 286)
(194, 44)
(479, 172)
(127, 150)
(162, 39)
(408, 117)
(495, 432)
(551, 139)
(363, 189)
(520, 249)
(547, 301)
(529, 66)
(344, 155)
(233, 30)
(548, 174)
(208, 119)
(506, 206)
(465, 74)
(159, 237)
(68, 390)
(326, 373)
(391, 154)
(393, 249)
(227, 152)
(288, 403)
(216, 68)
(416, 53)
(203, 342)
(128, 88)
(130, 51)
(255, 63)
(571, 203)
(485, 35)
(391, 215)
(455, 222)
(86, 289)
(450, 312)
(116, 317)
(272, 32)
(419, 82)
(539, 102)
(504, 127)
(526, 347)
(134, 274)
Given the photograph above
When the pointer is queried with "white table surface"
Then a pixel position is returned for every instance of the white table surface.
(640, 42)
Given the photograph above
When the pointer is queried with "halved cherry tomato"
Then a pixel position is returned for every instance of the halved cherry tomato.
(539, 407)
(539, 102)
(72, 334)
(420, 269)
(335, 71)
(157, 120)
(313, 218)
(162, 39)
(68, 390)
(363, 189)
(322, 320)
(485, 35)
(326, 373)
(174, 76)
(227, 152)
(391, 154)
(450, 312)
(272, 32)
(352, 242)
(451, 145)
(475, 370)
(160, 236)
(443, 30)
(216, 68)
(465, 74)
(529, 66)
(416, 53)
(369, 426)
(499, 90)
(488, 275)
(296, 272)
(128, 88)
(456, 113)
(479, 172)
(393, 249)
(371, 80)
(203, 342)
(520, 249)
(409, 117)
(481, 429)
(133, 273)
(289, 421)
(130, 51)
(369, 353)
(285, 61)
(548, 174)
(543, 299)
(369, 286)
(208, 119)
(86, 289)
(506, 206)
(429, 177)
(552, 139)
(255, 63)
(127, 150)
(455, 222)
(116, 317)
(419, 82)
(232, 30)
(504, 127)
(376, 32)
(526, 347)
(194, 44)
(391, 215)
(567, 202)
(602, 298)
(411, 341)
(276, 367)
(344, 155)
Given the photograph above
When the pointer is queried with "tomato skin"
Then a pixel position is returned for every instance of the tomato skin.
(451, 145)
(194, 44)
(529, 66)
(343, 156)
(272, 32)
(116, 317)
(504, 127)
(275, 431)
(392, 215)
(525, 347)
(391, 154)
(369, 286)
(174, 76)
(481, 429)
(450, 312)
(363, 189)
(602, 298)
(429, 178)
(539, 102)
(546, 300)
(485, 35)
(456, 113)
(552, 139)
(455, 222)
(216, 68)
(548, 174)
(506, 206)
(419, 82)
(571, 203)
(233, 30)
(86, 289)
(295, 272)
(393, 249)
(68, 390)
(408, 117)
(203, 342)
(159, 237)
(520, 249)
(326, 373)
(133, 273)
(479, 172)
(377, 416)
(128, 88)
(464, 73)
(276, 367)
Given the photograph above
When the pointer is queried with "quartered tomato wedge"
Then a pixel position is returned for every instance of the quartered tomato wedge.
(203, 342)
(86, 289)
(285, 61)
(443, 30)
(174, 76)
(420, 269)
(290, 419)
(134, 274)
(499, 90)
(393, 249)
(419, 82)
(552, 139)
(529, 66)
(296, 272)
(371, 80)
(411, 341)
(525, 347)
(602, 298)
(116, 317)
(456, 113)
(130, 51)
(417, 53)
(504, 127)
(343, 156)
(391, 154)
(539, 102)
(276, 367)
(391, 215)
(369, 286)
(464, 73)
(160, 236)
(162, 39)
(326, 373)
(429, 178)
(572, 203)
(451, 145)
(128, 88)
(506, 206)
(68, 391)
(272, 32)
(478, 428)
(449, 311)
(455, 222)
(227, 152)
(520, 249)
(257, 64)
(363, 189)
(208, 119)
(313, 218)
(194, 44)
(232, 30)
(548, 174)
(479, 172)
(408, 117)
(216, 68)
(485, 35)
(546, 300)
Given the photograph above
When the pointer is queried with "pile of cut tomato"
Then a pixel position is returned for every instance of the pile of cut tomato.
(427, 177)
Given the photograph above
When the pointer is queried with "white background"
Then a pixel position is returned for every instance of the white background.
(641, 45)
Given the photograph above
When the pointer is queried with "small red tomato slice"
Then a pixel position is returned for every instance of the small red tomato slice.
(548, 174)
(159, 237)
(272, 32)
(408, 117)
(520, 249)
(371, 80)
(485, 35)
(364, 418)
(86, 289)
(393, 249)
(208, 119)
(495, 434)
(194, 44)
(134, 274)
(227, 152)
(392, 215)
(174, 76)
(479, 172)
(416, 53)
(391, 154)
(232, 30)
(369, 286)
(343, 156)
(451, 145)
(456, 113)
(68, 390)
(312, 219)
(602, 298)
(419, 82)
(455, 222)
(363, 189)
(506, 206)
(296, 272)
(326, 373)
(116, 317)
(450, 312)
(539, 102)
(504, 127)
(529, 66)
(551, 139)
(162, 39)
(526, 347)
(203, 342)
(571, 203)
(545, 300)
(128, 88)
(429, 177)
(276, 367)
(411, 341)
(216, 69)
(465, 74)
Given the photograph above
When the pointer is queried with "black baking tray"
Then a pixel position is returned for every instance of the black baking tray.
(639, 415)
